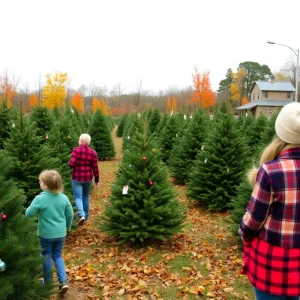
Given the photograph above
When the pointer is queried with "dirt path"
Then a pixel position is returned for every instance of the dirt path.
(76, 252)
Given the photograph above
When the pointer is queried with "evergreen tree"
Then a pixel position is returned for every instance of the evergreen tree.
(239, 204)
(5, 125)
(101, 137)
(19, 247)
(74, 118)
(121, 126)
(168, 137)
(149, 208)
(79, 120)
(86, 120)
(216, 175)
(60, 144)
(247, 123)
(154, 121)
(110, 122)
(133, 125)
(162, 123)
(29, 157)
(269, 133)
(44, 121)
(186, 148)
(256, 132)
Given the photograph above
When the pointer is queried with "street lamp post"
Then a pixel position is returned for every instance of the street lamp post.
(296, 52)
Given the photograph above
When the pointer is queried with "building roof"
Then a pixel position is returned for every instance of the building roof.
(279, 86)
(276, 103)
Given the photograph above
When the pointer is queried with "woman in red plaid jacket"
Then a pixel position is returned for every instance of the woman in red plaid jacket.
(270, 228)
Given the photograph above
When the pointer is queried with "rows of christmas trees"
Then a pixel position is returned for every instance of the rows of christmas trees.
(210, 155)
(30, 144)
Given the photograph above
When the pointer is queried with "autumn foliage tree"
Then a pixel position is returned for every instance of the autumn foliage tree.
(95, 104)
(171, 105)
(54, 92)
(33, 101)
(237, 91)
(103, 107)
(202, 94)
(7, 92)
(77, 102)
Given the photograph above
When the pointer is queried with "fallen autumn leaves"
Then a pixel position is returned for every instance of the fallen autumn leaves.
(202, 262)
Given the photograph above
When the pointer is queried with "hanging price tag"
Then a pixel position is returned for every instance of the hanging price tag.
(125, 190)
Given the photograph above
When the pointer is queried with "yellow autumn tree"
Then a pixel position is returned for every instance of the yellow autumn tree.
(77, 102)
(234, 92)
(33, 101)
(237, 89)
(54, 92)
(95, 104)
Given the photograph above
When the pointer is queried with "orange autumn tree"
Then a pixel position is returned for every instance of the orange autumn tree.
(171, 105)
(202, 94)
(103, 106)
(174, 104)
(245, 100)
(7, 93)
(77, 102)
(168, 105)
(33, 101)
(95, 104)
(54, 92)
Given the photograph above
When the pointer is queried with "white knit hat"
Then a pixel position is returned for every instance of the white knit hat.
(287, 125)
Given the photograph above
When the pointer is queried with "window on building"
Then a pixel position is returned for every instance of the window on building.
(266, 95)
(289, 94)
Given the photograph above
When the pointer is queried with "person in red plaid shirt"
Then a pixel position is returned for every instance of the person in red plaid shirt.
(270, 228)
(84, 164)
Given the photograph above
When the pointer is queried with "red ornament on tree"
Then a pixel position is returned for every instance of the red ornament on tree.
(3, 217)
(150, 183)
(144, 158)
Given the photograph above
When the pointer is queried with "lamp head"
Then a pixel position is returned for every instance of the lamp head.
(271, 42)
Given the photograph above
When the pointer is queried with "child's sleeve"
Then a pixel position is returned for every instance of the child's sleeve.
(69, 214)
(33, 209)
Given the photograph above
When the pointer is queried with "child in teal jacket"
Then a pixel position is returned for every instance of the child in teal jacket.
(55, 215)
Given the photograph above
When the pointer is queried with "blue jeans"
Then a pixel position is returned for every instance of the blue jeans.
(81, 191)
(52, 250)
(266, 296)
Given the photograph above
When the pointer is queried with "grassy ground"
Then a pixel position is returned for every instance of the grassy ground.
(202, 262)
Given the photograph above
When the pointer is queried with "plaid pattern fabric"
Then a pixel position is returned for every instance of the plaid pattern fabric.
(273, 213)
(272, 269)
(84, 164)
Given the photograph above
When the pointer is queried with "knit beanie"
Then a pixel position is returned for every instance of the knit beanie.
(287, 125)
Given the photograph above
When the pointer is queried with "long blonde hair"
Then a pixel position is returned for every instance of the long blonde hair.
(269, 153)
(53, 181)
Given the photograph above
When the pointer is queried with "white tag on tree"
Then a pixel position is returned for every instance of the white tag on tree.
(125, 190)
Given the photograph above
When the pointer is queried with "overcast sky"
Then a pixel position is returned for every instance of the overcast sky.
(156, 41)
